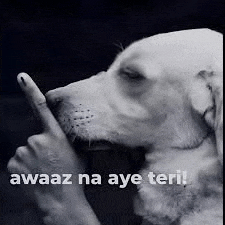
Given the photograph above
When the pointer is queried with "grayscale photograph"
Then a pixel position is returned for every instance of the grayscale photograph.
(111, 112)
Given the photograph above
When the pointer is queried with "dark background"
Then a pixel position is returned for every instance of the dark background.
(61, 42)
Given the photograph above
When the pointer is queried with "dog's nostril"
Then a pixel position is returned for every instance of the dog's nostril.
(52, 100)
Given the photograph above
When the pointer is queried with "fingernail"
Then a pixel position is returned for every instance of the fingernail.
(23, 81)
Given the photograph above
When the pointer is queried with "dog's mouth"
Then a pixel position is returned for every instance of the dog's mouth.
(95, 145)
(82, 145)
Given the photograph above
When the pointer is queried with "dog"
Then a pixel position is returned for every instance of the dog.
(163, 93)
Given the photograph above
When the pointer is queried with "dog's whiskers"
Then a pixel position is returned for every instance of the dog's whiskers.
(75, 135)
(120, 46)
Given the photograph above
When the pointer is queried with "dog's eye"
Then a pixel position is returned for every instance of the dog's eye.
(130, 74)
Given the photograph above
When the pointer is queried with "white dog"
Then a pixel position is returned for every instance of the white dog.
(163, 93)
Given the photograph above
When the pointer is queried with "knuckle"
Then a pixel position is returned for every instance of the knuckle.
(32, 140)
(21, 151)
(37, 142)
(12, 165)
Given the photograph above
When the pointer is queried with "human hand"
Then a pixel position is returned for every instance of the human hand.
(50, 153)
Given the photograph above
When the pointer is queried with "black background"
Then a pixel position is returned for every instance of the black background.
(61, 42)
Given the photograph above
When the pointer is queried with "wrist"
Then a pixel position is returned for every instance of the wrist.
(67, 215)
(70, 210)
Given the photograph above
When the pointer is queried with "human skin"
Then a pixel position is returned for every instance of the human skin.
(51, 153)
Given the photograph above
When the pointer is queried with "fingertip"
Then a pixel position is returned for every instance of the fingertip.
(22, 74)
(22, 79)
(26, 83)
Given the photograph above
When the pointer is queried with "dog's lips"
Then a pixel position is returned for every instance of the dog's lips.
(82, 145)
(97, 145)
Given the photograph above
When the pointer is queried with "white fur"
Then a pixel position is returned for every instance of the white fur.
(163, 112)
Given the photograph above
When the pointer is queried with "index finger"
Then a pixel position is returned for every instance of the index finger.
(38, 102)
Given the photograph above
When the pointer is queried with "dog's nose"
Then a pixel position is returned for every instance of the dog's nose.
(53, 99)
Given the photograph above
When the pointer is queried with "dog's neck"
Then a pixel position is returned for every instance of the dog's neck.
(203, 175)
(166, 159)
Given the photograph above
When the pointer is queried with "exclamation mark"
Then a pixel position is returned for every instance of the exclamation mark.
(184, 177)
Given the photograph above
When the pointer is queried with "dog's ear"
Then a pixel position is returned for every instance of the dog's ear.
(214, 114)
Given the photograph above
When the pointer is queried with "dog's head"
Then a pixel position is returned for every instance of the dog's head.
(158, 91)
